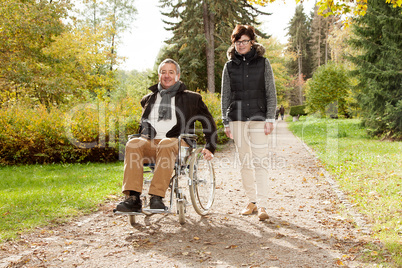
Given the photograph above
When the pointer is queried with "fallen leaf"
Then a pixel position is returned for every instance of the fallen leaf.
(279, 235)
(340, 263)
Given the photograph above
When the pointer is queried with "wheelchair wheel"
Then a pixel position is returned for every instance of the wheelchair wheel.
(131, 219)
(181, 211)
(201, 183)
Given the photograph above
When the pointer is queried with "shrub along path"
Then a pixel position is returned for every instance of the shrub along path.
(308, 226)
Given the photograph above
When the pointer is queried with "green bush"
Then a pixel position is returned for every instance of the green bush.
(86, 132)
(328, 91)
(298, 110)
(91, 132)
(213, 103)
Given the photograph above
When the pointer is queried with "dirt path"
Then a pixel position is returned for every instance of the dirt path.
(306, 228)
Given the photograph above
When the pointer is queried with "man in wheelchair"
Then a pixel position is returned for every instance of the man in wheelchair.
(168, 111)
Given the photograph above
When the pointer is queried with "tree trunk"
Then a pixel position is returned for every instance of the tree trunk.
(319, 42)
(326, 42)
(112, 54)
(114, 30)
(209, 29)
(300, 65)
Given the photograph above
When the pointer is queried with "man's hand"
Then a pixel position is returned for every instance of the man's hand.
(207, 154)
(268, 128)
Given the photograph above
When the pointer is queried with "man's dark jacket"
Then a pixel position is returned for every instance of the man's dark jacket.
(189, 108)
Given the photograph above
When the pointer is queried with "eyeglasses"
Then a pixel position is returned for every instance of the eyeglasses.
(244, 42)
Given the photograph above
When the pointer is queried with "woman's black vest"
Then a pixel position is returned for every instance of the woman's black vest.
(247, 83)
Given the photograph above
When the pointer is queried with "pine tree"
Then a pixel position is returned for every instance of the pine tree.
(201, 36)
(298, 32)
(379, 67)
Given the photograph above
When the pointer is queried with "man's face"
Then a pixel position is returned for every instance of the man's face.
(168, 76)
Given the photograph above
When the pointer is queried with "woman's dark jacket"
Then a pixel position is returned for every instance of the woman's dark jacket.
(189, 108)
(248, 87)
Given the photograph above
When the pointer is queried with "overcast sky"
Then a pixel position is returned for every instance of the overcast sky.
(147, 36)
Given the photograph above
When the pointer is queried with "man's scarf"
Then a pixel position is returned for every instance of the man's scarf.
(165, 111)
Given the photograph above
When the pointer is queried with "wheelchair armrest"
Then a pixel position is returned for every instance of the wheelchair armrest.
(192, 143)
(184, 135)
(132, 136)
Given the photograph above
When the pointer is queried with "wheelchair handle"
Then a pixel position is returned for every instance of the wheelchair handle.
(188, 136)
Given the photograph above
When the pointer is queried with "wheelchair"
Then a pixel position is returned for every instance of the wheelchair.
(191, 170)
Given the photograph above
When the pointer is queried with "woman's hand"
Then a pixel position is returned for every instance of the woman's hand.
(268, 128)
(228, 133)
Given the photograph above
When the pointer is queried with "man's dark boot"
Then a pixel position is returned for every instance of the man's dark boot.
(156, 202)
(132, 203)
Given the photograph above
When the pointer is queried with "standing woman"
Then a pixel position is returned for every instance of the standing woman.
(248, 112)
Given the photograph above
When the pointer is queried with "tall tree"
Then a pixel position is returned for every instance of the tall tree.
(201, 35)
(278, 58)
(118, 14)
(320, 30)
(26, 29)
(76, 55)
(298, 32)
(379, 67)
(209, 30)
(108, 20)
(338, 45)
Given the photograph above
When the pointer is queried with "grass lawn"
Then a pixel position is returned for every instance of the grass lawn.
(38, 195)
(369, 171)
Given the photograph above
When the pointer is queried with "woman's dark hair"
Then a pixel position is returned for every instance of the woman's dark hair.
(240, 30)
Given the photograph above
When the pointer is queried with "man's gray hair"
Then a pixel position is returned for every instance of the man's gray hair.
(169, 61)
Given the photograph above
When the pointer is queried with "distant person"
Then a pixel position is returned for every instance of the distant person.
(282, 111)
(248, 112)
(168, 111)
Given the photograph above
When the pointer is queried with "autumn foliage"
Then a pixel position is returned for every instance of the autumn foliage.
(330, 7)
(87, 132)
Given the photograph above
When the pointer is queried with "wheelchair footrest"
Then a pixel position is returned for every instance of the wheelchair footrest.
(127, 213)
(156, 211)
(144, 212)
